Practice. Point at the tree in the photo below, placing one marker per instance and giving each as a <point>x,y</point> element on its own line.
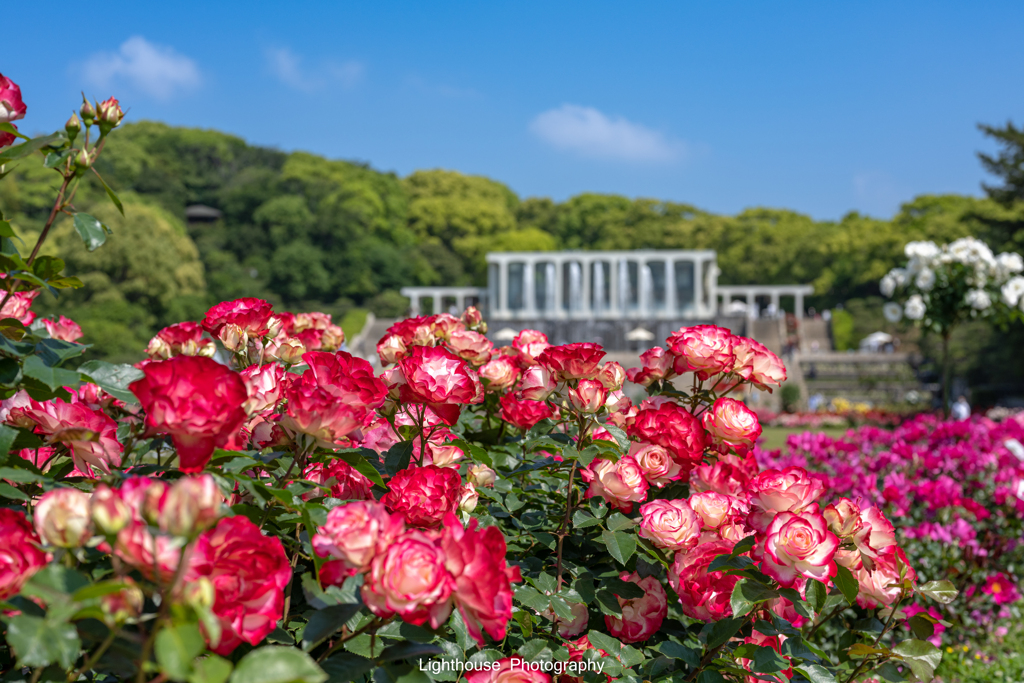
<point>1007,165</point>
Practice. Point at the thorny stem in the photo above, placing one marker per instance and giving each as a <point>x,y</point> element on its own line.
<point>563,527</point>
<point>94,657</point>
<point>888,625</point>
<point>818,625</point>
<point>373,625</point>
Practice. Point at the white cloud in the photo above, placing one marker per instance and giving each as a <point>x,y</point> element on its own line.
<point>589,132</point>
<point>155,69</point>
<point>287,66</point>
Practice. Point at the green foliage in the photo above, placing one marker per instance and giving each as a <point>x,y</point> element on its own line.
<point>842,330</point>
<point>1007,165</point>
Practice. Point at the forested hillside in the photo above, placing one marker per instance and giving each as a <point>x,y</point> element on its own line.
<point>308,233</point>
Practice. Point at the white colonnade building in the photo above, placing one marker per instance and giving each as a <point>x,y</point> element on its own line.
<point>593,285</point>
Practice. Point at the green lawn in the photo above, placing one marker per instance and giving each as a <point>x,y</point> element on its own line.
<point>775,437</point>
<point>353,322</point>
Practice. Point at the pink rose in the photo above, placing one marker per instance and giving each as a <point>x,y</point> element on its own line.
<point>880,586</point>
<point>530,344</point>
<point>64,329</point>
<point>657,365</point>
<point>265,385</point>
<point>197,401</point>
<point>17,307</point>
<point>314,411</point>
<point>249,572</point>
<point>507,670</point>
<point>156,556</point>
<point>481,475</point>
<point>471,346</point>
<point>90,435</point>
<point>499,373</point>
<point>673,428</point>
<point>250,317</point>
<point>621,483</point>
<point>523,414</point>
<point>180,339</point>
<point>669,524</point>
<point>716,509</point>
<point>799,546</point>
<point>1001,589</point>
<point>409,578</point>
<point>570,628</point>
<point>346,377</point>
<point>537,383</point>
<point>471,317</point>
<point>12,107</point>
<point>730,475</point>
<point>108,511</point>
<point>190,505</point>
<point>356,532</point>
<point>20,554</point>
<point>391,349</point>
<point>702,594</point>
<point>588,396</point>
<point>656,462</point>
<point>572,361</point>
<point>641,617</point>
<point>62,519</point>
<point>423,495</point>
<point>611,375</point>
<point>732,425</point>
<point>757,364</point>
<point>343,480</point>
<point>440,379</point>
<point>481,578</point>
<point>703,349</point>
<point>774,491</point>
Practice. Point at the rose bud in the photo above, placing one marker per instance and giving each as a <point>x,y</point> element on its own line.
<point>72,127</point>
<point>200,594</point>
<point>87,111</point>
<point>641,617</point>
<point>588,396</point>
<point>391,349</point>
<point>109,115</point>
<point>537,383</point>
<point>611,376</point>
<point>83,160</point>
<point>191,505</point>
<point>12,107</point>
<point>481,475</point>
<point>471,317</point>
<point>669,524</point>
<point>109,512</point>
<point>882,586</point>
<point>62,518</point>
<point>732,425</point>
<point>124,604</point>
<point>468,498</point>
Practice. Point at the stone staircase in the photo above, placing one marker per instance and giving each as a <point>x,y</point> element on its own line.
<point>875,378</point>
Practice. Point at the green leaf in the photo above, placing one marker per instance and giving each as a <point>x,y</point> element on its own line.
<point>847,583</point>
<point>921,656</point>
<point>38,642</point>
<point>922,627</point>
<point>940,591</point>
<point>709,676</point>
<point>532,598</point>
<point>55,159</point>
<point>767,661</point>
<point>9,492</point>
<point>409,650</point>
<point>53,352</point>
<point>53,378</point>
<point>110,193</point>
<point>7,437</point>
<point>815,673</point>
<point>581,519</point>
<point>729,562</point>
<point>24,149</point>
<point>9,128</point>
<point>176,647</point>
<point>21,476</point>
<point>620,436</point>
<point>744,544</point>
<point>674,650</point>
<point>398,456</point>
<point>608,603</point>
<point>90,230</point>
<point>817,593</point>
<point>604,642</point>
<point>212,669</point>
<point>722,631</point>
<point>620,545</point>
<point>618,521</point>
<point>346,666</point>
<point>325,622</point>
<point>363,465</point>
<point>113,379</point>
<point>277,664</point>
<point>626,590</point>
<point>747,593</point>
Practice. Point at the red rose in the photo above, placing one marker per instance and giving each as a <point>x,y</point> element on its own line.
<point>572,361</point>
<point>20,554</point>
<point>90,435</point>
<point>530,344</point>
<point>732,425</point>
<point>523,414</point>
<point>471,346</point>
<point>346,377</point>
<point>641,617</point>
<point>249,316</point>
<point>704,349</point>
<point>12,107</point>
<point>18,305</point>
<point>499,373</point>
<point>674,428</point>
<point>64,329</point>
<point>657,365</point>
<point>357,532</point>
<point>180,339</point>
<point>424,495</point>
<point>475,559</point>
<point>314,411</point>
<point>249,572</point>
<point>7,139</point>
<point>440,379</point>
<point>757,364</point>
<point>730,474</point>
<point>154,555</point>
<point>197,401</point>
<point>588,396</point>
<point>265,385</point>
<point>345,482</point>
<point>702,594</point>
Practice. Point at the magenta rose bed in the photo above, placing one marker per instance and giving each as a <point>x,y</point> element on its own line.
<point>251,503</point>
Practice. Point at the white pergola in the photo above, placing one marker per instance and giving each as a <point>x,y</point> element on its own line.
<point>459,296</point>
<point>774,293</point>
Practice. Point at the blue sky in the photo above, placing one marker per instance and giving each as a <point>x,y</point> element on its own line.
<point>822,107</point>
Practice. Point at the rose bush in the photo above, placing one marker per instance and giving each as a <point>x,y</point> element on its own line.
<point>250,502</point>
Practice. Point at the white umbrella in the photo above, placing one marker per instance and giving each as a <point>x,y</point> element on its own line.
<point>639,334</point>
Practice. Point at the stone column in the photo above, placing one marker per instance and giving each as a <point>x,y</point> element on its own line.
<point>529,285</point>
<point>775,301</point>
<point>414,304</point>
<point>670,289</point>
<point>613,287</point>
<point>751,304</point>
<point>559,278</point>
<point>699,307</point>
<point>798,307</point>
<point>643,305</point>
<point>503,288</point>
<point>585,309</point>
<point>460,302</point>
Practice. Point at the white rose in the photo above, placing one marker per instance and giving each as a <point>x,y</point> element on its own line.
<point>1013,290</point>
<point>978,299</point>
<point>925,280</point>
<point>915,308</point>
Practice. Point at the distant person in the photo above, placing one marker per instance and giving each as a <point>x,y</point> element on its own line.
<point>961,409</point>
